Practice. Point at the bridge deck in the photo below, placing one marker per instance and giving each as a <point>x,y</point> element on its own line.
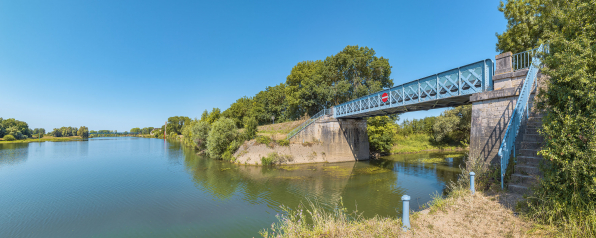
<point>446,89</point>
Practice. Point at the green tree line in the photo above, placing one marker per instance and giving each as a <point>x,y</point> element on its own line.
<point>65,131</point>
<point>314,85</point>
<point>12,129</point>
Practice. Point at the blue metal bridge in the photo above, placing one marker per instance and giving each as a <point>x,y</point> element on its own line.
<point>446,89</point>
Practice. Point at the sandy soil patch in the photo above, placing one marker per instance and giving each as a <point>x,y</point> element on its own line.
<point>469,216</point>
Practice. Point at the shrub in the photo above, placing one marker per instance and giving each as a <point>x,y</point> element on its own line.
<point>232,148</point>
<point>454,124</point>
<point>275,158</point>
<point>9,138</point>
<point>284,142</point>
<point>263,140</point>
<point>381,132</point>
<point>267,160</point>
<point>250,127</point>
<point>222,133</point>
<point>196,133</point>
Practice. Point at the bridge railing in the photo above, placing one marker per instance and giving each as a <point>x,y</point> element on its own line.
<point>308,122</point>
<point>464,80</point>
<point>520,113</point>
<point>523,60</point>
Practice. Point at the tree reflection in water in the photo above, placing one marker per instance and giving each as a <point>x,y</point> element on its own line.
<point>373,187</point>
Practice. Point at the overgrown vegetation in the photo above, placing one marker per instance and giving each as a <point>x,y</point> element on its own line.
<point>223,132</point>
<point>275,158</point>
<point>566,195</point>
<point>381,132</point>
<point>449,131</point>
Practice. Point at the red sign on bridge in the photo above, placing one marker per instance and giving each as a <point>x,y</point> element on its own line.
<point>384,97</point>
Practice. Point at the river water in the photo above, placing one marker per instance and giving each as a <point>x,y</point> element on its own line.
<point>139,187</point>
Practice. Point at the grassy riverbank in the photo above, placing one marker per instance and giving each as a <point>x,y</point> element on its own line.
<point>461,214</point>
<point>44,139</point>
<point>419,143</point>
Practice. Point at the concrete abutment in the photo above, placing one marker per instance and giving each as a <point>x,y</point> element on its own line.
<point>342,139</point>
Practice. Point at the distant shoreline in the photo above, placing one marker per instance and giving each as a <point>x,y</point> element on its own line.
<point>44,139</point>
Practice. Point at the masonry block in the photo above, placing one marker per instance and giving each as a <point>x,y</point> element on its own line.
<point>343,139</point>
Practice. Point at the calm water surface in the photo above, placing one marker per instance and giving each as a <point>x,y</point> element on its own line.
<point>137,187</point>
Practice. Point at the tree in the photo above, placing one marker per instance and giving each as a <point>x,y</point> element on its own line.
<point>2,130</point>
<point>454,124</point>
<point>525,26</point>
<point>204,115</point>
<point>222,133</point>
<point>57,132</point>
<point>381,132</point>
<point>200,134</point>
<point>268,103</point>
<point>15,132</point>
<point>14,126</point>
<point>213,116</point>
<point>351,73</point>
<point>567,192</point>
<point>9,138</point>
<point>176,123</point>
<point>307,91</point>
<point>145,130</point>
<point>355,72</point>
<point>83,132</point>
<point>38,131</point>
<point>237,111</point>
<point>135,130</point>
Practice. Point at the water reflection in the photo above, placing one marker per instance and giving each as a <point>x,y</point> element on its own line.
<point>13,153</point>
<point>137,187</point>
<point>374,187</point>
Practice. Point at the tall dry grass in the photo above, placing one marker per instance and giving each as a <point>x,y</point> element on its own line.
<point>314,221</point>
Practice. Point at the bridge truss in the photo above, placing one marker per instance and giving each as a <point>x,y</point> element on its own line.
<point>446,89</point>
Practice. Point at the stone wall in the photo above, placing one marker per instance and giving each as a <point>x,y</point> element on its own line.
<point>326,140</point>
<point>343,139</point>
<point>491,111</point>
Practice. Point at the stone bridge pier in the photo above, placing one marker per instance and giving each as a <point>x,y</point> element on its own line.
<point>492,110</point>
<point>342,139</point>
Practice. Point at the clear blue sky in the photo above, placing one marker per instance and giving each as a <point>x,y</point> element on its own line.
<point>122,64</point>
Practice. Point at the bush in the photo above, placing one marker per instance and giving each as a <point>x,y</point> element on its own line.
<point>275,158</point>
<point>9,138</point>
<point>454,124</point>
<point>250,127</point>
<point>381,132</point>
<point>263,140</point>
<point>232,148</point>
<point>566,195</point>
<point>222,133</point>
<point>284,142</point>
<point>196,133</point>
<point>267,160</point>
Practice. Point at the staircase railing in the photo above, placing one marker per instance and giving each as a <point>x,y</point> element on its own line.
<point>524,59</point>
<point>308,122</point>
<point>521,110</point>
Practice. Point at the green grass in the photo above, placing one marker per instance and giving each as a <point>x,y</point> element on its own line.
<point>418,143</point>
<point>52,139</point>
